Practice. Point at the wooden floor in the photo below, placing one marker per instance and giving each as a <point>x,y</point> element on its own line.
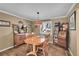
<point>23,50</point>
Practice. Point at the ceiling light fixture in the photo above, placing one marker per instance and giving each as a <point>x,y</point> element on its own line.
<point>38,21</point>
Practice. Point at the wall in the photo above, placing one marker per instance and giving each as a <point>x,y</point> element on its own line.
<point>77,30</point>
<point>6,33</point>
<point>73,33</point>
<point>34,28</point>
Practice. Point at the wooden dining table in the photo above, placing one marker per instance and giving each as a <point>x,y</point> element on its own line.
<point>34,40</point>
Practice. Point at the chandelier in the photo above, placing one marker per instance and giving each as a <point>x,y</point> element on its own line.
<point>37,22</point>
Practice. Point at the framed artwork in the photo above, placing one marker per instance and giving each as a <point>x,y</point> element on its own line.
<point>72,21</point>
<point>4,23</point>
<point>45,27</point>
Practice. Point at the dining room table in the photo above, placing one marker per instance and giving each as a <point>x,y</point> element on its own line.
<point>35,40</point>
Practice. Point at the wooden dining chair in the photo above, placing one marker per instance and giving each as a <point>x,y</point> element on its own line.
<point>43,47</point>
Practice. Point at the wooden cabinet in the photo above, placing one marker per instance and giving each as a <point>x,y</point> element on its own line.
<point>61,35</point>
<point>19,39</point>
<point>55,32</point>
<point>19,34</point>
<point>62,39</point>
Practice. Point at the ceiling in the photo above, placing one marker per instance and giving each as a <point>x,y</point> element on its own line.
<point>29,10</point>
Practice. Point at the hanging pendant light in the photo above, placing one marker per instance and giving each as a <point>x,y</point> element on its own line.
<point>37,21</point>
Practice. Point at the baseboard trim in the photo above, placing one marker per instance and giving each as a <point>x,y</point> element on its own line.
<point>70,52</point>
<point>50,42</point>
<point>6,48</point>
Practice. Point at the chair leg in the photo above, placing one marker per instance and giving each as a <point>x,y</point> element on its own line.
<point>43,52</point>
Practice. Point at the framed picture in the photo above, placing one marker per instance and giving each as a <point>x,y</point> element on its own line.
<point>45,27</point>
<point>72,21</point>
<point>4,23</point>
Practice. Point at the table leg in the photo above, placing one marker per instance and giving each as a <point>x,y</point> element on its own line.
<point>33,52</point>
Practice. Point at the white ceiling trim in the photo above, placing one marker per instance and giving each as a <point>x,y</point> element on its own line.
<point>13,15</point>
<point>59,17</point>
<point>71,8</point>
<point>54,18</point>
